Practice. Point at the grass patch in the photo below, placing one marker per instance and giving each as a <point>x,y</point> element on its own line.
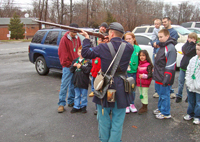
<point>19,40</point>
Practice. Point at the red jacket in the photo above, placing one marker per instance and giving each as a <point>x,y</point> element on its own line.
<point>66,50</point>
<point>95,66</point>
<point>142,69</point>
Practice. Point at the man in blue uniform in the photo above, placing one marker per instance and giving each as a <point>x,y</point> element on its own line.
<point>110,130</point>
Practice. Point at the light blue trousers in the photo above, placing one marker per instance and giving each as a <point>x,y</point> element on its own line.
<point>110,130</point>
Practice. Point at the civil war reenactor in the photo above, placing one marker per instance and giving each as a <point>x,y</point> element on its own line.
<point>111,130</point>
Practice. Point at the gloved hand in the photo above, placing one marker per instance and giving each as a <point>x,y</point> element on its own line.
<point>166,80</point>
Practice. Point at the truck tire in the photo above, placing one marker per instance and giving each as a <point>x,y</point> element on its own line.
<point>41,66</point>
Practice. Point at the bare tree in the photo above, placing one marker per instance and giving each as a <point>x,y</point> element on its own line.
<point>8,9</point>
<point>91,13</point>
<point>46,12</point>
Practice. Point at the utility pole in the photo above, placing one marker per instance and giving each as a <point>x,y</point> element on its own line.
<point>26,16</point>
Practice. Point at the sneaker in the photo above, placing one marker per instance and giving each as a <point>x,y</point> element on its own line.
<point>61,109</point>
<point>187,117</point>
<point>178,99</point>
<point>127,110</point>
<point>196,121</point>
<point>91,94</point>
<point>157,111</point>
<point>71,105</point>
<point>161,116</point>
<point>74,110</point>
<point>156,95</point>
<point>133,108</point>
<point>172,95</point>
<point>83,109</point>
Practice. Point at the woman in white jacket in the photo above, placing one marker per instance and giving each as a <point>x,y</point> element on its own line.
<point>193,87</point>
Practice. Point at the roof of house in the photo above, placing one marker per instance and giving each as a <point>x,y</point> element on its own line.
<point>6,21</point>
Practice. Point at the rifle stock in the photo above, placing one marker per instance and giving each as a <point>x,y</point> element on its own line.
<point>70,28</point>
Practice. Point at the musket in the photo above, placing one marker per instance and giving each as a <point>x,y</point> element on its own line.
<point>100,35</point>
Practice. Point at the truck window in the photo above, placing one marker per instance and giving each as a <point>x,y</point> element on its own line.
<point>37,38</point>
<point>186,25</point>
<point>140,30</point>
<point>150,30</point>
<point>197,25</point>
<point>63,33</point>
<point>142,40</point>
<point>52,38</point>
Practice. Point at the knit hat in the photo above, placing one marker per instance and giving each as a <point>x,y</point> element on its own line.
<point>74,25</point>
<point>104,24</point>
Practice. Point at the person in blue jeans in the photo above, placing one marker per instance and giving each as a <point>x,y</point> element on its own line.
<point>81,69</point>
<point>173,33</point>
<point>67,52</point>
<point>193,87</point>
<point>164,72</point>
<point>189,51</point>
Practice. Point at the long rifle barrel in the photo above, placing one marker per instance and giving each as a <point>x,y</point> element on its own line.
<point>70,28</point>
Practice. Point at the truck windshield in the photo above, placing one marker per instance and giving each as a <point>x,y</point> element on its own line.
<point>182,30</point>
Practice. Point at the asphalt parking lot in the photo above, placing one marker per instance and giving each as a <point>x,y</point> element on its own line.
<point>28,109</point>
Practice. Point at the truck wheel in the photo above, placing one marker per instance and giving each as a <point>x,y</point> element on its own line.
<point>41,66</point>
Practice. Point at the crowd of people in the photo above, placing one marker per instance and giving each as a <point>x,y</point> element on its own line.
<point>79,61</point>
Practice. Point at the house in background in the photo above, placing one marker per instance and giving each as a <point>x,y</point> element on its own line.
<point>31,27</point>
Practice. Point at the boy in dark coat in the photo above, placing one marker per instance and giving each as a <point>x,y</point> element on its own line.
<point>81,68</point>
<point>164,72</point>
<point>189,51</point>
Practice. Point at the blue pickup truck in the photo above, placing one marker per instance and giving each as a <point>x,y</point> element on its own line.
<point>43,50</point>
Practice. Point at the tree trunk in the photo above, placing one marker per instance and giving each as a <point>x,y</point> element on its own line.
<point>62,7</point>
<point>71,12</point>
<point>41,11</point>
<point>58,11</point>
<point>45,16</point>
<point>87,13</point>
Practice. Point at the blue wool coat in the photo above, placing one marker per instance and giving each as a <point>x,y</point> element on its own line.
<point>102,51</point>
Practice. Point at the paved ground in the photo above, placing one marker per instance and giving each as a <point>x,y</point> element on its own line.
<point>28,109</point>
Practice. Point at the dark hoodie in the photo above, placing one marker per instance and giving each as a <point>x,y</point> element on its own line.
<point>165,63</point>
<point>189,51</point>
<point>81,76</point>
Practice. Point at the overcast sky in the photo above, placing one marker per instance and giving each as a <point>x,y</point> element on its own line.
<point>24,4</point>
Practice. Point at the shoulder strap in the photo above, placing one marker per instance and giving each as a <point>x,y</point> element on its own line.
<point>111,48</point>
<point>118,58</point>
